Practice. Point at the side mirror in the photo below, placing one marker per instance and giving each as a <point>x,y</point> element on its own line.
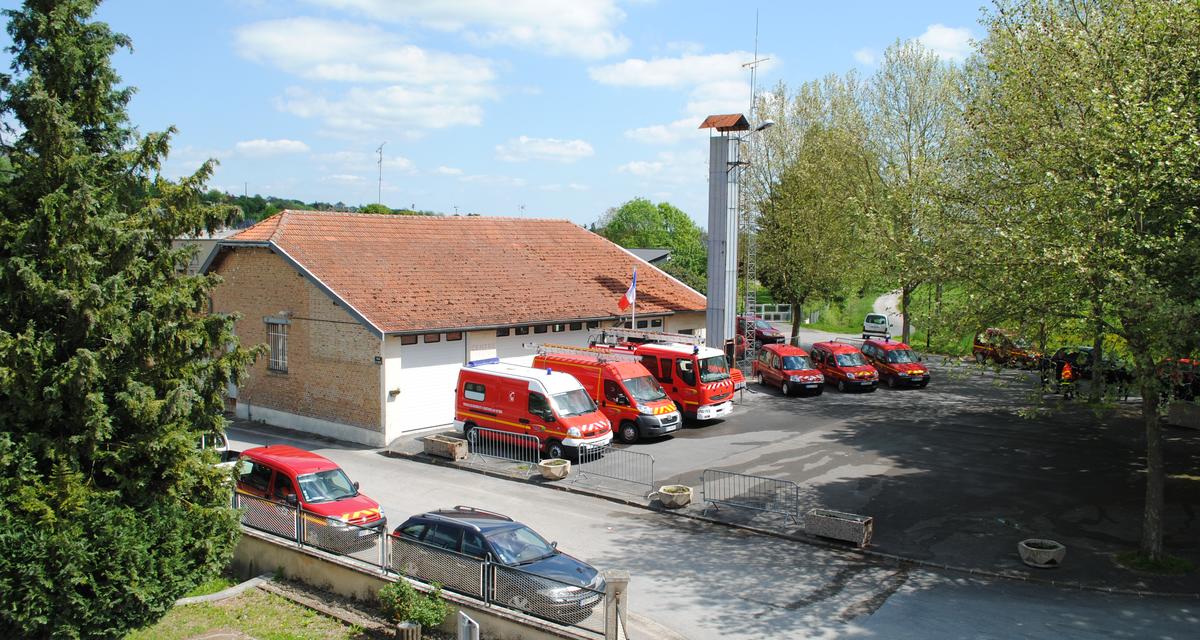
<point>920,358</point>
<point>554,545</point>
<point>291,499</point>
<point>622,400</point>
<point>355,485</point>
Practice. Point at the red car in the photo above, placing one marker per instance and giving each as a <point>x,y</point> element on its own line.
<point>789,368</point>
<point>844,365</point>
<point>896,363</point>
<point>334,514</point>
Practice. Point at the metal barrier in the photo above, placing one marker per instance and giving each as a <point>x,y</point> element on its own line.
<point>278,518</point>
<point>751,492</point>
<point>616,464</point>
<point>773,312</point>
<point>454,571</point>
<point>492,444</point>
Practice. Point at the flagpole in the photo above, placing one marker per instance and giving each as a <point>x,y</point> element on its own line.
<point>633,307</point>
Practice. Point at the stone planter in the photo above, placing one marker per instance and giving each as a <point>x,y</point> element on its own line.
<point>408,631</point>
<point>837,525</point>
<point>445,447</point>
<point>1040,553</point>
<point>554,468</point>
<point>675,496</point>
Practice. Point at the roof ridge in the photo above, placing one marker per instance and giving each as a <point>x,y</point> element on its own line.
<point>440,217</point>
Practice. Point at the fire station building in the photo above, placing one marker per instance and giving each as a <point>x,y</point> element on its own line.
<point>368,318</point>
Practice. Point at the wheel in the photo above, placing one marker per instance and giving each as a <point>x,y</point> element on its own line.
<point>555,449</point>
<point>759,379</point>
<point>842,386</point>
<point>924,384</point>
<point>819,391</point>
<point>467,429</point>
<point>787,391</point>
<point>629,432</point>
<point>891,382</point>
<point>980,357</point>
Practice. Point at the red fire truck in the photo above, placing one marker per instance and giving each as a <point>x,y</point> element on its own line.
<point>696,377</point>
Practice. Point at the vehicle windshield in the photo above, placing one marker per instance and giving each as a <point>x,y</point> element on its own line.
<point>794,363</point>
<point>763,324</point>
<point>901,356</point>
<point>519,545</point>
<point>713,369</point>
<point>326,486</point>
<point>876,319</point>
<point>573,403</point>
<point>850,359</point>
<point>644,389</point>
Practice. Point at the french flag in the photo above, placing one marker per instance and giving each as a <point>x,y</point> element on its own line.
<point>630,295</point>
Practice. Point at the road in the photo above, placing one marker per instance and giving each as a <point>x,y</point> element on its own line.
<point>705,580</point>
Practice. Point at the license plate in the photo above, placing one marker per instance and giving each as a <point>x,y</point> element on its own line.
<point>810,386</point>
<point>362,533</point>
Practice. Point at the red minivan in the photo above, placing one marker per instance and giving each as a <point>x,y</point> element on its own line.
<point>844,365</point>
<point>896,362</point>
<point>789,368</point>
<point>334,515</point>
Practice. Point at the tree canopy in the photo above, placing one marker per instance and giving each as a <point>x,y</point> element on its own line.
<point>111,367</point>
<point>640,223</point>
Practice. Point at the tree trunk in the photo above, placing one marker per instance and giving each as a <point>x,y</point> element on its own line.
<point>1097,391</point>
<point>796,314</point>
<point>1152,515</point>
<point>905,300</point>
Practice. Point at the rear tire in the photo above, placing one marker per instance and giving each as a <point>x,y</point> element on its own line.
<point>629,432</point>
<point>467,429</point>
<point>555,449</point>
<point>759,379</point>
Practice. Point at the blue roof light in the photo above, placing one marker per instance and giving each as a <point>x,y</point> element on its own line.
<point>476,363</point>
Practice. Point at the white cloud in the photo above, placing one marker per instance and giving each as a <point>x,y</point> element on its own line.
<point>344,178</point>
<point>643,168</point>
<point>666,133</point>
<point>583,28</point>
<point>552,149</point>
<point>262,147</point>
<point>493,181</point>
<point>669,167</point>
<point>865,56</point>
<point>727,96</point>
<point>363,162</point>
<point>683,71</point>
<point>416,89</point>
<point>950,43</point>
<point>448,171</point>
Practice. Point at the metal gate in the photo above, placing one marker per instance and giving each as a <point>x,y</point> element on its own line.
<point>751,492</point>
<point>616,464</point>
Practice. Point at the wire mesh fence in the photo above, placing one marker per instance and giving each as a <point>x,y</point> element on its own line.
<point>597,464</point>
<point>267,515</point>
<point>547,598</point>
<point>513,453</point>
<point>454,571</point>
<point>751,492</point>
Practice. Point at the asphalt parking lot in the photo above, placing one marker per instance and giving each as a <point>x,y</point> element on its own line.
<point>957,473</point>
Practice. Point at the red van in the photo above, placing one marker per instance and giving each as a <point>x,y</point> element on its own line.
<point>336,516</point>
<point>549,404</point>
<point>789,368</point>
<point>627,394</point>
<point>896,363</point>
<point>844,365</point>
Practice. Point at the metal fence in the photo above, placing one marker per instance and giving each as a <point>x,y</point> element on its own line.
<point>751,492</point>
<point>491,446</point>
<point>773,312</point>
<point>511,587</point>
<point>615,464</point>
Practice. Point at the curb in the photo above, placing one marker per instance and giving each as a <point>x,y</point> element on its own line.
<point>816,542</point>
<point>236,589</point>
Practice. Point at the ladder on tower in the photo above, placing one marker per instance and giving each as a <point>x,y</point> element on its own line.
<point>601,355</point>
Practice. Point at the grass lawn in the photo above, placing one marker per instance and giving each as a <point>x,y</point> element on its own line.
<point>257,613</point>
<point>848,318</point>
<point>219,583</point>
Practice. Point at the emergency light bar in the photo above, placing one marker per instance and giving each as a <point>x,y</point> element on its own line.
<point>476,363</point>
<point>602,355</point>
<point>647,336</point>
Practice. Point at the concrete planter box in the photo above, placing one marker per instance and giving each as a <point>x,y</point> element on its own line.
<point>445,447</point>
<point>1040,553</point>
<point>407,631</point>
<point>675,496</point>
<point>837,525</point>
<point>554,468</point>
<point>1184,414</point>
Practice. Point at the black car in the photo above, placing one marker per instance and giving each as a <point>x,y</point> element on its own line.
<point>1080,358</point>
<point>530,574</point>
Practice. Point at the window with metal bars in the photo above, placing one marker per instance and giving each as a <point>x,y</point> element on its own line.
<point>277,333</point>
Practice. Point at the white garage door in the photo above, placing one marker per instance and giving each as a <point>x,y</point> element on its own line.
<point>428,373</point>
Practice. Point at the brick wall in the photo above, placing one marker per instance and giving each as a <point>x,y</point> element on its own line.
<point>331,373</point>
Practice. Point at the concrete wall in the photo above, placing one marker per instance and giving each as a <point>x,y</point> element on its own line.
<point>257,553</point>
<point>333,385</point>
<point>693,320</point>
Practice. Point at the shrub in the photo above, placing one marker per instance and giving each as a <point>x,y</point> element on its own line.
<point>401,602</point>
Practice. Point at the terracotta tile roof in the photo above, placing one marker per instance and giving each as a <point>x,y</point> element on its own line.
<point>726,122</point>
<point>409,273</point>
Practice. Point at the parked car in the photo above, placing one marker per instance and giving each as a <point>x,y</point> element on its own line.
<point>548,404</point>
<point>628,395</point>
<point>1180,377</point>
<point>875,324</point>
<point>896,362</point>
<point>1001,347</point>
<point>534,575</point>
<point>789,368</point>
<point>335,515</point>
<point>226,457</point>
<point>844,365</point>
<point>1115,371</point>
<point>759,331</point>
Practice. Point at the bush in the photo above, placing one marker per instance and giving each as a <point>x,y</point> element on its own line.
<point>401,602</point>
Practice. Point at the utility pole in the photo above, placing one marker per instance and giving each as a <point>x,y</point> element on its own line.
<point>379,193</point>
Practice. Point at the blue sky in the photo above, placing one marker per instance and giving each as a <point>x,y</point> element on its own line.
<point>547,108</point>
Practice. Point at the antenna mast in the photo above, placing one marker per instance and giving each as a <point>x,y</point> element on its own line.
<point>750,214</point>
<point>379,192</point>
